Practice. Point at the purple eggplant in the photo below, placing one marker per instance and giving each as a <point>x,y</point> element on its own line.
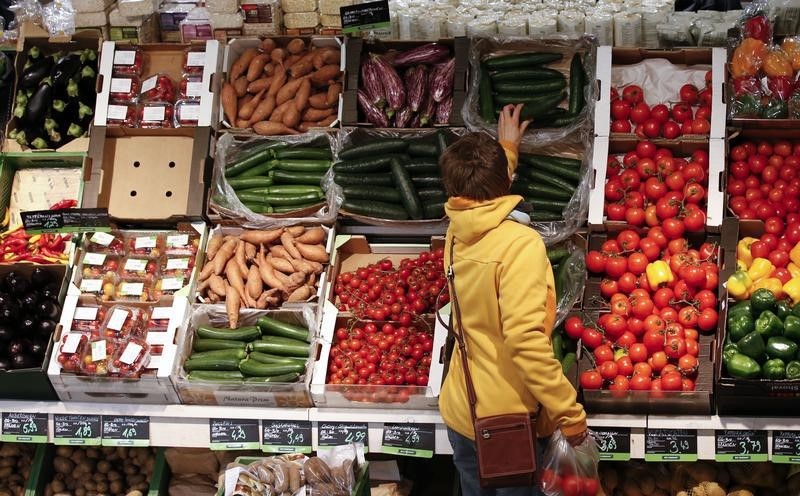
<point>443,110</point>
<point>416,81</point>
<point>427,111</point>
<point>374,115</point>
<point>392,84</point>
<point>441,80</point>
<point>414,121</point>
<point>403,117</point>
<point>371,83</point>
<point>429,53</point>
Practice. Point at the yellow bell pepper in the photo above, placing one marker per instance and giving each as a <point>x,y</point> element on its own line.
<point>772,283</point>
<point>794,254</point>
<point>743,251</point>
<point>738,285</point>
<point>792,289</point>
<point>760,269</point>
<point>658,273</point>
<point>793,269</point>
<point>741,266</point>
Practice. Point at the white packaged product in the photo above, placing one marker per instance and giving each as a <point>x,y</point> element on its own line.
<point>38,189</point>
<point>300,20</point>
<point>295,6</point>
<point>330,20</point>
<point>431,27</point>
<point>571,22</point>
<point>601,25</point>
<point>131,8</point>
<point>513,25</point>
<point>91,19</point>
<point>115,18</point>
<point>222,6</point>
<point>261,29</point>
<point>91,5</point>
<point>456,27</point>
<point>331,7</point>
<point>539,25</point>
<point>482,27</point>
<point>226,21</point>
<point>627,29</point>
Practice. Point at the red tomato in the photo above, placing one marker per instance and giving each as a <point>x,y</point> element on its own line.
<point>625,364</point>
<point>633,93</point>
<point>658,361</point>
<point>707,320</point>
<point>573,326</point>
<point>591,379</point>
<point>688,94</point>
<point>589,486</point>
<point>571,485</point>
<point>688,364</point>
<point>738,153</point>
<point>620,386</point>
<point>637,262</point>
<point>628,240</point>
<point>640,382</point>
<point>638,352</point>
<point>591,337</point>
<point>673,228</point>
<point>662,297</point>
<point>621,109</point>
<point>616,266</point>
<point>681,112</point>
<point>694,193</point>
<point>779,258</point>
<point>651,128</point>
<point>595,262</point>
<point>603,354</point>
<point>705,299</point>
<point>653,340</point>
<point>643,368</point>
<point>608,287</point>
<point>782,274</point>
<point>640,113</point>
<point>701,125</point>
<point>675,347</point>
<point>764,148</point>
<point>625,340</point>
<point>671,130</point>
<point>627,282</point>
<point>608,370</point>
<point>671,382</point>
<point>694,221</point>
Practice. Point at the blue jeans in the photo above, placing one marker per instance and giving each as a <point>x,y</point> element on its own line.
<point>466,461</point>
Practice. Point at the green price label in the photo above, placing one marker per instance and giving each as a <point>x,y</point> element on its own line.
<point>80,430</point>
<point>126,431</point>
<point>24,427</point>
<point>417,440</point>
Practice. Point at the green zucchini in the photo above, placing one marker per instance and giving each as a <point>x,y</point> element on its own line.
<point>433,210</point>
<point>259,170</point>
<point>294,189</point>
<point>558,347</point>
<point>203,344</point>
<point>503,99</point>
<point>377,209</point>
<point>294,177</point>
<point>293,208</point>
<point>302,152</point>
<point>369,164</point>
<point>221,354</point>
<point>427,181</point>
<point>267,358</point>
<point>485,96</point>
<point>251,197</point>
<point>253,368</point>
<point>556,255</point>
<point>577,81</point>
<point>560,277</point>
<point>374,148</point>
<point>278,345</point>
<point>371,192</point>
<point>534,110</point>
<point>251,158</point>
<point>532,73</point>
<point>215,375</point>
<point>533,158</point>
<point>302,165</point>
<point>275,378</point>
<point>432,195</point>
<point>545,216</point>
<point>274,327</point>
<point>211,364</point>
<point>546,191</point>
<point>422,166</point>
<point>376,179</point>
<point>249,182</point>
<point>529,88</point>
<point>522,60</point>
<point>442,141</point>
<point>247,333</point>
<point>521,187</point>
<point>552,180</point>
<point>547,167</point>
<point>259,208</point>
<point>567,119</point>
<point>292,199</point>
<point>422,148</point>
<point>568,362</point>
<point>408,194</point>
<point>555,206</point>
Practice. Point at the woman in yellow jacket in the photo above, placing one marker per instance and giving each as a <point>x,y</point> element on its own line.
<point>506,291</point>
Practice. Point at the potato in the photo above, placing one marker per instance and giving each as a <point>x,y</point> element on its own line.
<point>57,486</point>
<point>63,465</point>
<point>103,467</point>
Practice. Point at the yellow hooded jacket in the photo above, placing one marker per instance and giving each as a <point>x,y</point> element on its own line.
<point>506,292</point>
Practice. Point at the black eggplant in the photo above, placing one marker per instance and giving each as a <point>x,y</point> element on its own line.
<point>66,67</point>
<point>38,347</point>
<point>28,326</point>
<point>39,104</point>
<point>5,364</point>
<point>89,58</point>
<point>48,310</point>
<point>46,327</point>
<point>41,277</point>
<point>11,281</point>
<point>6,333</point>
<point>30,302</point>
<point>21,361</point>
<point>33,55</point>
<point>18,346</point>
<point>51,291</point>
<point>73,90</point>
<point>87,86</point>
<point>34,74</point>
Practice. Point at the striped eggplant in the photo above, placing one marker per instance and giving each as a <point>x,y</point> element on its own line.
<point>443,110</point>
<point>392,84</point>
<point>371,83</point>
<point>441,79</point>
<point>415,121</point>
<point>427,111</point>
<point>416,81</point>
<point>374,115</point>
<point>403,117</point>
<point>430,53</point>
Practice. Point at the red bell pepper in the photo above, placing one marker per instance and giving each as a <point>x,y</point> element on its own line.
<point>63,204</point>
<point>758,27</point>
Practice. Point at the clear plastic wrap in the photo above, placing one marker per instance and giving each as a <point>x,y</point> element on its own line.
<point>156,115</point>
<point>481,48</point>
<point>575,270</point>
<point>566,465</point>
<point>124,89</point>
<point>332,472</point>
<point>187,113</point>
<point>58,17</point>
<point>224,200</point>
<point>158,88</point>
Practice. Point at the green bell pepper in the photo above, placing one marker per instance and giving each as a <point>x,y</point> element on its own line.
<point>791,328</point>
<point>768,324</point>
<point>781,347</point>
<point>747,106</point>
<point>752,346</point>
<point>728,351</point>
<point>762,299</point>
<point>742,367</point>
<point>740,325</point>
<point>796,310</point>
<point>775,109</point>
<point>774,369</point>
<point>793,370</point>
<point>783,309</point>
<point>742,307</point>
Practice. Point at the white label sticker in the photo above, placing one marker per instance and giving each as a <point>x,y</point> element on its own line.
<point>131,353</point>
<point>177,240</point>
<point>135,264</point>
<point>154,362</point>
<point>177,264</point>
<point>124,57</point>
<point>98,350</point>
<point>94,259</point>
<point>121,85</point>
<point>149,84</point>
<point>117,319</point>
<point>131,288</point>
<point>156,338</point>
<point>189,112</point>
<point>194,89</point>
<point>91,285</point>
<point>153,114</point>
<point>145,242</point>
<point>102,238</point>
<point>85,313</point>
<point>161,313</point>
<point>171,283</point>
<point>196,59</point>
<point>71,343</point>
<point>117,112</point>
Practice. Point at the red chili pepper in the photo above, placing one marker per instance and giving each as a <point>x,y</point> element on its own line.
<point>39,259</point>
<point>15,244</point>
<point>49,253</point>
<point>63,204</point>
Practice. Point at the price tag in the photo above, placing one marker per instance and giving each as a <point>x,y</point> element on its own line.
<point>73,430</point>
<point>189,112</point>
<point>194,89</point>
<point>670,445</point>
<point>613,444</point>
<point>102,238</point>
<point>124,57</point>
<point>117,113</point>
<point>94,259</point>
<point>339,433</point>
<point>740,446</point>
<point>126,431</point>
<point>135,264</point>
<point>91,285</point>
<point>149,84</point>
<point>234,434</point>
<point>131,353</point>
<point>161,313</point>
<point>131,288</point>
<point>194,59</point>
<point>121,85</point>
<point>152,114</point>
<point>118,318</point>
<point>24,427</point>
<point>98,350</point>
<point>85,313</point>
<point>171,283</point>
<point>177,240</point>
<point>145,241</point>
<point>286,436</point>
<point>365,16</point>
<point>785,447</point>
<point>409,439</point>
<point>177,264</point>
<point>70,344</point>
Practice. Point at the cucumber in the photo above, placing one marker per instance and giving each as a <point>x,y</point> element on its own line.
<point>217,344</point>
<point>422,166</point>
<point>522,60</point>
<point>259,170</point>
<point>568,362</point>
<point>274,327</point>
<point>421,148</point>
<point>293,208</point>
<point>567,119</point>
<point>533,158</point>
<point>547,167</point>
<point>577,81</point>
<point>432,195</point>
<point>249,182</point>
<point>251,158</point>
<point>259,208</point>
<point>221,354</point>
<point>428,181</point>
<point>251,197</point>
<point>377,209</point>
<point>258,369</point>
<point>532,73</point>
<point>374,148</point>
<point>560,278</point>
<point>536,176</point>
<point>219,375</point>
<point>521,187</point>
<point>278,345</point>
<point>371,192</point>
<point>538,190</point>
<point>441,140</point>
<point>302,165</point>
<point>370,164</point>
<point>275,378</point>
<point>294,189</point>
<point>292,199</point>
<point>408,194</point>
<point>247,333</point>
<point>267,358</point>
<point>433,210</point>
<point>534,110</point>
<point>293,177</point>
<point>545,216</point>
<point>556,255</point>
<point>558,347</point>
<point>211,364</point>
<point>485,96</point>
<point>528,88</point>
<point>555,206</point>
<point>302,152</point>
<point>503,99</point>
<point>377,179</point>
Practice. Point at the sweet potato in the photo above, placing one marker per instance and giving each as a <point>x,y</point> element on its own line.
<point>288,91</point>
<point>247,110</point>
<point>267,45</point>
<point>294,281</point>
<point>213,247</point>
<point>267,273</point>
<point>250,250</point>
<point>301,68</point>
<point>259,84</point>
<point>263,111</point>
<point>287,240</point>
<point>241,258</point>
<point>300,294</point>
<point>242,123</point>
<point>291,116</point>
<point>257,66</point>
<point>319,101</point>
<point>315,115</point>
<point>224,254</point>
<point>216,285</point>
<point>281,264</point>
<point>229,102</point>
<point>208,271</point>
<point>232,305</point>
<point>312,252</point>
<point>325,74</point>
<point>213,298</point>
<point>305,126</point>
<point>326,56</point>
<point>269,69</point>
<point>254,284</point>
<point>279,251</point>
<point>261,237</point>
<point>295,230</point>
<point>240,85</point>
<point>332,97</point>
<point>301,97</point>
<point>278,80</point>
<point>296,46</point>
<point>278,55</point>
<point>299,265</point>
<point>290,61</point>
<point>312,236</point>
<point>267,128</point>
<point>241,64</point>
<point>280,110</point>
<point>327,121</point>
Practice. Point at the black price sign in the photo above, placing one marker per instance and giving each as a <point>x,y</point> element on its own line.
<point>234,434</point>
<point>339,433</point>
<point>785,447</point>
<point>613,444</point>
<point>76,430</point>
<point>365,17</point>
<point>670,445</point>
<point>286,436</point>
<point>740,446</point>
<point>409,439</point>
<point>126,431</point>
<point>24,427</point>
<point>65,221</point>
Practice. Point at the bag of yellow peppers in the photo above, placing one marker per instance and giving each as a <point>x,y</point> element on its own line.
<point>754,273</point>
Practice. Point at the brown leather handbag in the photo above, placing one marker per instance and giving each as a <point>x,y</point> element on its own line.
<point>505,444</point>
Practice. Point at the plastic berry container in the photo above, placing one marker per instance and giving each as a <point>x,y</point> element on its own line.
<point>187,113</point>
<point>157,324</point>
<point>122,321</point>
<point>177,266</point>
<point>194,61</point>
<point>191,87</point>
<point>103,288</point>
<point>149,244</point>
<point>96,356</point>
<point>123,115</point>
<point>70,351</point>
<point>99,265</point>
<point>128,61</point>
<point>88,318</point>
<point>168,285</point>
<point>182,243</point>
<point>139,267</point>
<point>134,290</point>
<point>158,88</point>
<point>103,242</point>
<point>156,116</point>
<point>124,89</point>
<point>130,357</point>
